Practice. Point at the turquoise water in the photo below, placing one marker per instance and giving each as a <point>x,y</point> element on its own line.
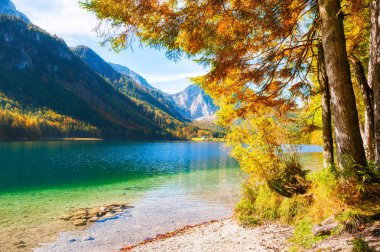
<point>43,180</point>
<point>39,165</point>
<point>40,181</point>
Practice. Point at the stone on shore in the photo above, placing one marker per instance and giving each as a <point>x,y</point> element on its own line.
<point>326,227</point>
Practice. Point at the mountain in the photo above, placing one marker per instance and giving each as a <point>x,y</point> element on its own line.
<point>128,83</point>
<point>50,90</point>
<point>195,103</point>
<point>8,8</point>
<point>133,75</point>
<point>40,73</point>
<point>192,103</point>
<point>158,94</point>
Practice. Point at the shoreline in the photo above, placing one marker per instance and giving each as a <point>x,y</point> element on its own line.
<point>45,230</point>
<point>137,224</point>
<point>213,236</point>
<point>51,139</point>
<point>218,235</point>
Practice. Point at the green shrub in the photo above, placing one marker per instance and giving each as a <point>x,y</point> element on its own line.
<point>260,204</point>
<point>360,245</point>
<point>303,234</point>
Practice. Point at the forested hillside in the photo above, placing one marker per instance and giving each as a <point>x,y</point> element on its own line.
<point>32,122</point>
<point>39,72</point>
<point>126,85</point>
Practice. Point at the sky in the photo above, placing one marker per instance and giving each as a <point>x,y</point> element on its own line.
<point>75,25</point>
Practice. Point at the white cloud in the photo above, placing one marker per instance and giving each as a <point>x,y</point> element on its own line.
<point>64,18</point>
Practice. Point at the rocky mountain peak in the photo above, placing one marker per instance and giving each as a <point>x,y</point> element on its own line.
<point>195,103</point>
<point>7,7</point>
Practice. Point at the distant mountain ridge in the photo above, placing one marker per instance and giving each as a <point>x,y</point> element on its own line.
<point>8,8</point>
<point>196,104</point>
<point>192,103</point>
<point>127,82</point>
<point>133,75</point>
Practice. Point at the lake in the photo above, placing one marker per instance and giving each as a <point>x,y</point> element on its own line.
<point>170,184</point>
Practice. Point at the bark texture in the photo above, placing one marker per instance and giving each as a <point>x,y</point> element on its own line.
<point>368,134</point>
<point>347,131</point>
<point>328,144</point>
<point>374,72</point>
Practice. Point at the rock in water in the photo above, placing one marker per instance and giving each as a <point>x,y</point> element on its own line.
<point>81,212</point>
<point>94,211</point>
<point>109,215</point>
<point>93,219</point>
<point>80,222</point>
<point>20,244</point>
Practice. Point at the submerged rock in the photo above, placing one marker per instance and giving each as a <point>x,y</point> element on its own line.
<point>109,215</point>
<point>80,222</point>
<point>20,244</point>
<point>93,219</point>
<point>94,211</point>
<point>84,216</point>
<point>66,217</point>
<point>80,212</point>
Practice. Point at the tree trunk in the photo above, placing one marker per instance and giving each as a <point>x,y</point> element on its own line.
<point>328,144</point>
<point>374,73</point>
<point>346,123</point>
<point>368,130</point>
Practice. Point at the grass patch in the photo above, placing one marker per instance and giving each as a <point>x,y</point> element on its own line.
<point>360,245</point>
<point>261,204</point>
<point>303,235</point>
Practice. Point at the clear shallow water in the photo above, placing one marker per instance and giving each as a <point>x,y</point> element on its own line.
<point>38,165</point>
<point>182,182</point>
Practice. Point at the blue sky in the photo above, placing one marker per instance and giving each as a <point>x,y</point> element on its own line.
<point>66,19</point>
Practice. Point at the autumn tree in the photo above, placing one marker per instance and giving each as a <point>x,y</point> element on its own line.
<point>327,131</point>
<point>374,71</point>
<point>357,30</point>
<point>347,132</point>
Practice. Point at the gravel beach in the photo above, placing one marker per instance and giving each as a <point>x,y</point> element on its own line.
<point>224,236</point>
